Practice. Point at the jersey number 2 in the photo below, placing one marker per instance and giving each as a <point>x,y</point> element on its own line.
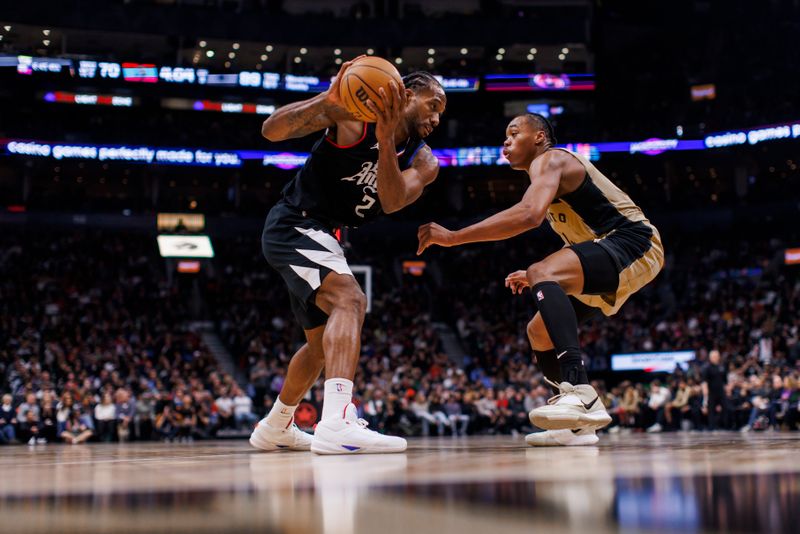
<point>368,201</point>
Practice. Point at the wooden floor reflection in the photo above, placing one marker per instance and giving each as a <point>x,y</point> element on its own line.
<point>655,483</point>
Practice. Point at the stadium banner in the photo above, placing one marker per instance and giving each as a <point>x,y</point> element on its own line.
<point>652,362</point>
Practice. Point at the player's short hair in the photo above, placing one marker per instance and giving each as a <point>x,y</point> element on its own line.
<point>543,124</point>
<point>421,80</point>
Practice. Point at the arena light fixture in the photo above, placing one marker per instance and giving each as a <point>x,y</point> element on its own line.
<point>209,53</point>
<point>264,57</point>
<point>464,51</point>
<point>46,42</point>
<point>431,51</point>
<point>202,44</point>
<point>370,51</point>
<point>304,50</point>
<point>269,48</point>
<point>337,52</point>
<point>338,61</point>
<point>530,57</point>
<point>45,32</point>
<point>7,28</point>
<point>562,57</point>
<point>533,50</point>
<point>565,50</point>
<point>298,59</point>
<point>227,64</point>
<point>398,60</point>
<point>236,46</point>
<point>232,55</point>
<point>501,51</point>
<point>430,61</point>
<point>499,57</point>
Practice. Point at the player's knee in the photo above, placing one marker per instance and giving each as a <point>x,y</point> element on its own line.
<point>537,273</point>
<point>353,300</point>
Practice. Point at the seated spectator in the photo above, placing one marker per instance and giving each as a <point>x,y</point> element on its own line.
<point>421,409</point>
<point>459,421</point>
<point>166,424</point>
<point>126,411</point>
<point>185,418</point>
<point>105,414</point>
<point>144,417</point>
<point>75,429</point>
<point>224,407</point>
<point>8,421</point>
<point>657,403</point>
<point>675,410</point>
<point>243,409</point>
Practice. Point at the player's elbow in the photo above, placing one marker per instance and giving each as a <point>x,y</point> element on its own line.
<point>391,207</point>
<point>270,132</point>
<point>531,219</point>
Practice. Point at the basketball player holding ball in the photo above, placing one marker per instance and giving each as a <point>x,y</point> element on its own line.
<point>611,251</point>
<point>356,171</point>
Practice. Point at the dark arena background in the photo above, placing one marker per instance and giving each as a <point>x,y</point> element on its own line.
<point>143,335</point>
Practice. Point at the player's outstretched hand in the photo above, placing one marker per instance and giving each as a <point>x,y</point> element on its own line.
<point>393,102</point>
<point>434,234</point>
<point>517,281</point>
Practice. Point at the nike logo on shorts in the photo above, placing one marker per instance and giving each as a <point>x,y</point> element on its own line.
<point>558,356</point>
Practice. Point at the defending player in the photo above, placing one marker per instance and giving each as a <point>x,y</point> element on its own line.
<point>611,252</point>
<point>355,172</point>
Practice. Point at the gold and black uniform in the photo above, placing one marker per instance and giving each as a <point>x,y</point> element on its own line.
<point>599,213</point>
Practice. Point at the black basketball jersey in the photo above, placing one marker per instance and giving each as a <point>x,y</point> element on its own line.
<point>338,184</point>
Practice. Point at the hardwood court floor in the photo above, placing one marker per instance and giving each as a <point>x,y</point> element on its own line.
<point>656,483</point>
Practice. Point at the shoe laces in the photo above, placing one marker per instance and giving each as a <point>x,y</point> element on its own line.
<point>565,388</point>
<point>363,424</point>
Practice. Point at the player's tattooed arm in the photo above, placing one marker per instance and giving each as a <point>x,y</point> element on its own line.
<point>527,214</point>
<point>299,119</point>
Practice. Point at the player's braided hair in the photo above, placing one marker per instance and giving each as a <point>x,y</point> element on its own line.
<point>543,124</point>
<point>421,80</point>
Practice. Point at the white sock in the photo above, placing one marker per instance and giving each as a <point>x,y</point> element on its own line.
<point>280,416</point>
<point>338,394</point>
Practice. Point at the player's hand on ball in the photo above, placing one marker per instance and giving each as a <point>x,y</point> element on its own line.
<point>517,281</point>
<point>332,96</point>
<point>434,234</point>
<point>389,114</point>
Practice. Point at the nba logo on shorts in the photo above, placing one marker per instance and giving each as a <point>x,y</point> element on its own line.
<point>539,295</point>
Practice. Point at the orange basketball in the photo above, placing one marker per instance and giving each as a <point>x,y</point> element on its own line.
<point>362,80</point>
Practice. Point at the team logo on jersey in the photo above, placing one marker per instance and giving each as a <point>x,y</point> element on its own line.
<point>367,176</point>
<point>375,147</point>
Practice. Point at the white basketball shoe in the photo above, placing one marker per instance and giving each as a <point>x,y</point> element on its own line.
<point>268,438</point>
<point>560,438</point>
<point>574,407</point>
<point>350,435</point>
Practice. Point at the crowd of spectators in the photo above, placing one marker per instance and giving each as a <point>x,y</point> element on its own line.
<point>95,345</point>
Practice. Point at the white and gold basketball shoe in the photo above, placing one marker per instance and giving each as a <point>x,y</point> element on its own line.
<point>574,407</point>
<point>562,438</point>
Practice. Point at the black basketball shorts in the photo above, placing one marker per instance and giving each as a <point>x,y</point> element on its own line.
<point>303,250</point>
<point>618,265</point>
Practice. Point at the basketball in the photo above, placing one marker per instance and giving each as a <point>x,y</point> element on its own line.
<point>361,82</point>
